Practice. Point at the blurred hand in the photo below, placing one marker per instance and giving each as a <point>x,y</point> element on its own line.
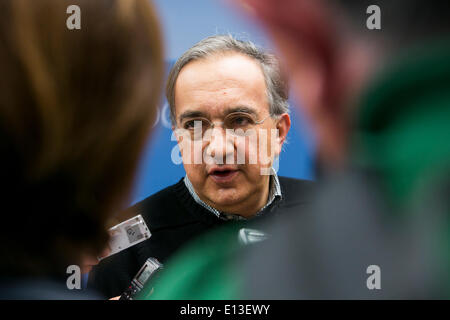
<point>88,261</point>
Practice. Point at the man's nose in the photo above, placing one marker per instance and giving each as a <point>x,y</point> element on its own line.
<point>221,146</point>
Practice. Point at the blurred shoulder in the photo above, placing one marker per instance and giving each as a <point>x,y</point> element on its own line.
<point>296,190</point>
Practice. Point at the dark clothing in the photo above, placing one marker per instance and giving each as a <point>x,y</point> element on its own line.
<point>31,288</point>
<point>174,218</point>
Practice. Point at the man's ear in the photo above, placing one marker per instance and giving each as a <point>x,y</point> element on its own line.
<point>178,136</point>
<point>283,126</point>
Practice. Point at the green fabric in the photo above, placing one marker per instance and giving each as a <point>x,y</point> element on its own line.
<point>403,130</point>
<point>203,270</point>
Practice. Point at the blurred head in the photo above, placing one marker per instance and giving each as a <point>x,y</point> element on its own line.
<point>75,109</point>
<point>229,111</point>
<point>331,54</point>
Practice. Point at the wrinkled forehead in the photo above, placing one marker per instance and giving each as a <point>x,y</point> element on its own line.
<point>219,83</point>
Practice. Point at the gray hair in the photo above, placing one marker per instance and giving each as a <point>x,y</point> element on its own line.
<point>277,87</point>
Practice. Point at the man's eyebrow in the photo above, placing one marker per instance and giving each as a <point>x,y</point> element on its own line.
<point>191,114</point>
<point>244,109</point>
<point>195,114</point>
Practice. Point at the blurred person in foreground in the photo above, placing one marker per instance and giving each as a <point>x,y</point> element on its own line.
<point>227,99</point>
<point>76,107</point>
<point>379,101</point>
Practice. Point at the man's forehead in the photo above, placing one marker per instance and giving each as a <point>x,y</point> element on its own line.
<point>221,69</point>
<point>217,84</point>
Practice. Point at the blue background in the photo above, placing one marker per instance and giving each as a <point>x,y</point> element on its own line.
<point>184,23</point>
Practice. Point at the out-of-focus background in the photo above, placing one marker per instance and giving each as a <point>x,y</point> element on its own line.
<point>185,23</point>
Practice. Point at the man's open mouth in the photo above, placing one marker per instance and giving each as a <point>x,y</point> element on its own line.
<point>223,175</point>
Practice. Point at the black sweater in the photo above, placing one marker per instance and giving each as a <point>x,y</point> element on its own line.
<point>174,218</point>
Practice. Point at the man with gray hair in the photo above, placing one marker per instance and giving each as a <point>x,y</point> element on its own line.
<point>230,115</point>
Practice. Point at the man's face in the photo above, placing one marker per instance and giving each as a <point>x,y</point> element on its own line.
<point>227,170</point>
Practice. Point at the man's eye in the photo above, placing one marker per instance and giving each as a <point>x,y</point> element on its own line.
<point>197,123</point>
<point>189,124</point>
<point>241,121</point>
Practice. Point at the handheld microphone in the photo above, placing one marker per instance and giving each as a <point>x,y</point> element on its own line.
<point>150,268</point>
<point>249,236</point>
